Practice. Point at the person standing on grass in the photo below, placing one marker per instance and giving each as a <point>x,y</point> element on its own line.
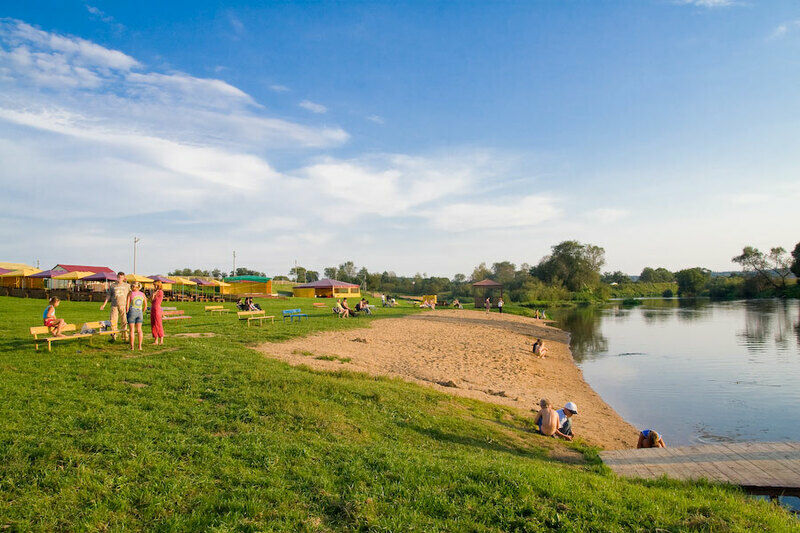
<point>53,324</point>
<point>500,304</point>
<point>137,305</point>
<point>156,314</point>
<point>118,295</point>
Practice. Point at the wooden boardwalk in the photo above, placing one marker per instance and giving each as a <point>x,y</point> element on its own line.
<point>771,468</point>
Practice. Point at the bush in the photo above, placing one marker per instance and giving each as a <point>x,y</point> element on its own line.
<point>668,293</point>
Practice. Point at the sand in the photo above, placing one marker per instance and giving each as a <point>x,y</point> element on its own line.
<point>471,354</point>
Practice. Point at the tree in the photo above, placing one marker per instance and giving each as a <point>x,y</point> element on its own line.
<point>330,272</point>
<point>346,272</point>
<point>480,273</point>
<point>503,272</point>
<point>298,273</point>
<point>615,277</point>
<point>656,275</point>
<point>217,273</point>
<point>796,262</point>
<point>312,275</point>
<point>244,271</point>
<point>768,266</point>
<point>575,265</point>
<point>692,281</point>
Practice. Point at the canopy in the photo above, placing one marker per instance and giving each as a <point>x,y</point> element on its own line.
<point>101,276</point>
<point>21,273</point>
<point>162,279</point>
<point>4,270</point>
<point>221,283</point>
<point>203,282</point>
<point>14,266</point>
<point>48,273</point>
<point>73,275</point>
<point>179,280</point>
<point>136,278</point>
<point>324,284</point>
<point>259,279</point>
<point>487,283</point>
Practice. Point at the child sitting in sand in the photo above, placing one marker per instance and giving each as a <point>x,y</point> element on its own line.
<point>53,324</point>
<point>649,438</point>
<point>547,418</point>
<point>538,349</point>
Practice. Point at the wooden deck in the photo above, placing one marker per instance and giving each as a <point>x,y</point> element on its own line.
<point>770,468</point>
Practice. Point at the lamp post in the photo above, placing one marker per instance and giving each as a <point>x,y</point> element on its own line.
<point>234,264</point>
<point>135,242</point>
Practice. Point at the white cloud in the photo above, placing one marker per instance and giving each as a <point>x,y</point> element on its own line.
<point>105,17</point>
<point>527,211</point>
<point>784,29</point>
<point>606,215</point>
<point>377,119</point>
<point>313,107</point>
<point>708,3</point>
<point>279,88</point>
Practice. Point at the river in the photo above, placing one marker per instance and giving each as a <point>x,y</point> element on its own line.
<point>696,371</point>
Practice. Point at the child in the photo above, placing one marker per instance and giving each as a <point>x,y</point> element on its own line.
<point>539,349</point>
<point>649,438</point>
<point>137,304</point>
<point>53,324</point>
<point>547,419</point>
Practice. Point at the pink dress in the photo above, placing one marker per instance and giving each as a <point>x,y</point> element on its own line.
<point>156,314</point>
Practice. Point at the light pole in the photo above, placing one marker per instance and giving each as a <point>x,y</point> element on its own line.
<point>234,264</point>
<point>135,242</point>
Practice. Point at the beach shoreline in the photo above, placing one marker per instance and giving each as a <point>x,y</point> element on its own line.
<point>471,354</point>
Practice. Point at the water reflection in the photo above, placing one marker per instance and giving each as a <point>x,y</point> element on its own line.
<point>697,370</point>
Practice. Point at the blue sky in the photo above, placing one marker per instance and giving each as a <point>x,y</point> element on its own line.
<point>414,136</point>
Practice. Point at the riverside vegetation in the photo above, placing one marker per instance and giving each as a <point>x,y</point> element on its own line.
<point>205,433</point>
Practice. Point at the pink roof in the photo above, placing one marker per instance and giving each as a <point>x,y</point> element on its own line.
<point>84,268</point>
<point>487,283</point>
<point>324,284</point>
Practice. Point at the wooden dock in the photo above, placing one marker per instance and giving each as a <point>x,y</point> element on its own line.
<point>769,468</point>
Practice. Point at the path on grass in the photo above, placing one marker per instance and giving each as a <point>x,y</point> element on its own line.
<point>471,354</point>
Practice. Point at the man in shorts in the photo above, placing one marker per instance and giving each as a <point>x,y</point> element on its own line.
<point>565,424</point>
<point>118,296</point>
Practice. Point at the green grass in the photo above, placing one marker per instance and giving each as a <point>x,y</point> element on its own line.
<point>206,434</point>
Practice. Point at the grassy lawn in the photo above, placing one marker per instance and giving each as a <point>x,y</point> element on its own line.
<point>206,434</point>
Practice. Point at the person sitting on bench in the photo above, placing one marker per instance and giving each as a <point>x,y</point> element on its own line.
<point>346,306</point>
<point>53,324</point>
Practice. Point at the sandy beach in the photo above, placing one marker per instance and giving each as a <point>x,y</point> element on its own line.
<point>471,354</point>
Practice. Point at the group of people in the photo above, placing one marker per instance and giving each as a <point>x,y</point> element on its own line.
<point>247,304</point>
<point>556,422</point>
<point>487,304</point>
<point>388,302</point>
<point>343,309</point>
<point>129,303</point>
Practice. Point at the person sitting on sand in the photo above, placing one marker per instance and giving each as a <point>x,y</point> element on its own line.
<point>54,325</point>
<point>649,438</point>
<point>547,418</point>
<point>538,348</point>
<point>565,424</point>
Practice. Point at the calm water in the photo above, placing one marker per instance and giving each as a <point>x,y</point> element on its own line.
<point>696,371</point>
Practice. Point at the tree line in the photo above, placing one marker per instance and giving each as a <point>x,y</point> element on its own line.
<point>571,271</point>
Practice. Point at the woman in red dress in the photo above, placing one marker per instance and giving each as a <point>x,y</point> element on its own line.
<point>156,314</point>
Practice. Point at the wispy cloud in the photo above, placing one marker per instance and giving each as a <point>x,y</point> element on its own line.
<point>105,17</point>
<point>237,25</point>
<point>377,119</point>
<point>784,29</point>
<point>707,3</point>
<point>606,215</point>
<point>313,106</point>
<point>279,88</point>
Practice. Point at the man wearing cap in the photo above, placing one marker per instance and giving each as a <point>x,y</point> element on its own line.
<point>118,295</point>
<point>565,424</point>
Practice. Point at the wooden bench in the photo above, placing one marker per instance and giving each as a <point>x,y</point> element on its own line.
<point>292,313</point>
<point>252,316</point>
<point>216,309</point>
<point>260,319</point>
<point>173,312</point>
<point>97,326</point>
<point>319,305</point>
<point>36,331</point>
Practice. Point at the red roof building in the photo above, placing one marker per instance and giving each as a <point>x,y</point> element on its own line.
<point>81,268</point>
<point>327,288</point>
